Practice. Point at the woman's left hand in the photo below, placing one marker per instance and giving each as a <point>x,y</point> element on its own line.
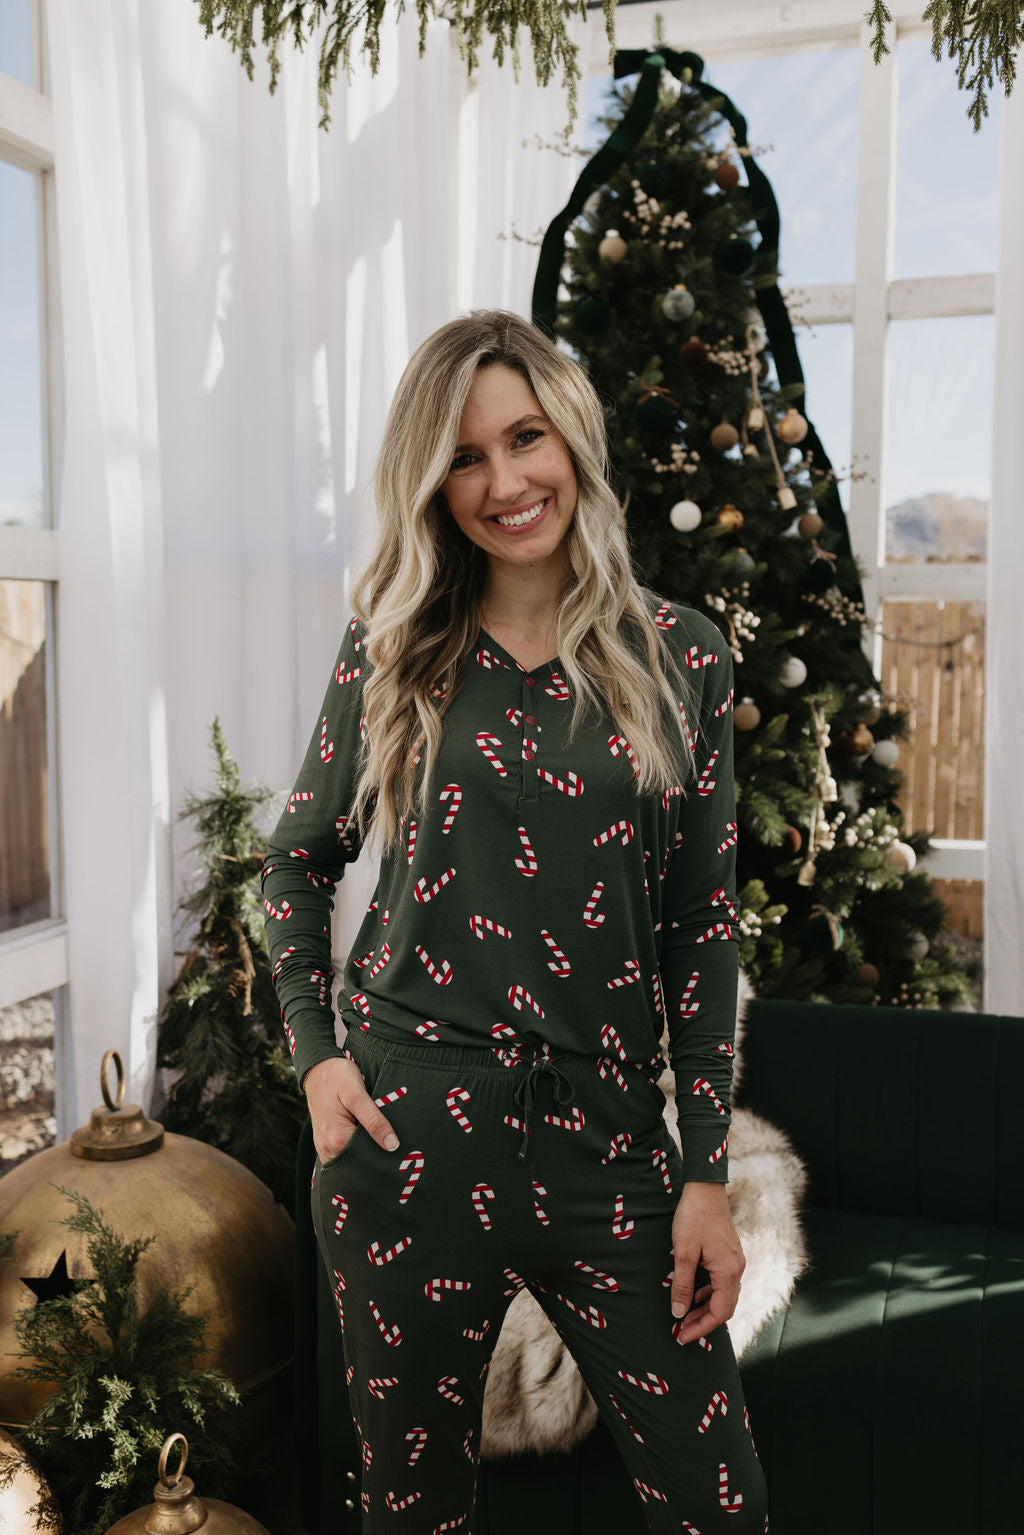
<point>703,1232</point>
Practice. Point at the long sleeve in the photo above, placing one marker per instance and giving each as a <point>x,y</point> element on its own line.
<point>306,857</point>
<point>700,939</point>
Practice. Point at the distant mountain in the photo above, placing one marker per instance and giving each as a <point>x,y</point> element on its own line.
<point>937,527</point>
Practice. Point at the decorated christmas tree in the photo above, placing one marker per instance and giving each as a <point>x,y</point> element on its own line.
<point>671,300</point>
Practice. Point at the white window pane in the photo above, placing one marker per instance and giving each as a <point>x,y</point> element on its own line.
<point>826,357</point>
<point>21,420</point>
<point>947,176</point>
<point>25,885</point>
<point>16,40</point>
<point>27,1121</point>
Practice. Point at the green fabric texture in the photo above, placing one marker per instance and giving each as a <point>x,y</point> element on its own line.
<point>537,899</point>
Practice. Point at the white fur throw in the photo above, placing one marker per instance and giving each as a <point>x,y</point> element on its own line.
<point>535,1399</point>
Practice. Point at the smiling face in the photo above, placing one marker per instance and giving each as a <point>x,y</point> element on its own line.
<point>512,487</point>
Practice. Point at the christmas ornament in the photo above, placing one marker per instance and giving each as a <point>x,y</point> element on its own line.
<point>785,497</point>
<point>214,1222</point>
<point>866,975</point>
<point>792,428</point>
<point>612,248</point>
<point>730,517</point>
<point>693,353</point>
<point>656,409</point>
<point>757,336</point>
<point>886,753</point>
<point>735,256</point>
<point>746,715</point>
<point>823,933</point>
<point>740,560</point>
<point>793,841</point>
<point>755,418</point>
<point>176,1509</point>
<point>24,1490</point>
<point>724,436</point>
<point>871,712</point>
<point>685,516</point>
<point>901,855</point>
<point>862,739</point>
<point>821,836</point>
<point>918,946</point>
<point>592,315</point>
<point>810,525</point>
<point>678,303</point>
<point>728,175</point>
<point>793,672</point>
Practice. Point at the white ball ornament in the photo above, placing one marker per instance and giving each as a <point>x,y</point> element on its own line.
<point>918,946</point>
<point>885,753</point>
<point>685,516</point>
<point>901,856</point>
<point>678,303</point>
<point>793,672</point>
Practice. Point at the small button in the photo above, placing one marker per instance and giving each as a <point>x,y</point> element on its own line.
<point>528,756</point>
<point>349,1503</point>
<point>529,719</point>
<point>350,1476</point>
<point>528,681</point>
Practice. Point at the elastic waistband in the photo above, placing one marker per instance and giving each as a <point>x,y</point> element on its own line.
<point>486,1060</point>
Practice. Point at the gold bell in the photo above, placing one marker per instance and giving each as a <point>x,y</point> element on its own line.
<point>177,1509</point>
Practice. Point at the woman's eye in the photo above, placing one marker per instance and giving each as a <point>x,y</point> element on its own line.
<point>457,463</point>
<point>530,431</point>
<point>524,438</point>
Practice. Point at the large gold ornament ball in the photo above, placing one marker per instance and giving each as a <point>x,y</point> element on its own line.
<point>810,525</point>
<point>724,436</point>
<point>746,715</point>
<point>612,248</point>
<point>792,428</point>
<point>730,517</point>
<point>22,1489</point>
<point>866,975</point>
<point>177,1507</point>
<point>862,739</point>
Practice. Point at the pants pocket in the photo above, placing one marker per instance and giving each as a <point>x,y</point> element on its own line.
<point>372,1068</point>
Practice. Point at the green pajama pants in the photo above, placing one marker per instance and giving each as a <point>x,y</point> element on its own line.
<point>553,1171</point>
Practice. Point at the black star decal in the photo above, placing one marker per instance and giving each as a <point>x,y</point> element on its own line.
<point>57,1282</point>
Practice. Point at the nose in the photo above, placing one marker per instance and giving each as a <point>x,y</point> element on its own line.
<point>508,482</point>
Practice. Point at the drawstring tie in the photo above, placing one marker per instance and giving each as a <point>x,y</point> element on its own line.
<point>526,1092</point>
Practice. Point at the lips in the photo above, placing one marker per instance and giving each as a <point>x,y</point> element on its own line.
<point>523,527</point>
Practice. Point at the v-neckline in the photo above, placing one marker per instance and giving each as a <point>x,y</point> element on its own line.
<point>542,666</point>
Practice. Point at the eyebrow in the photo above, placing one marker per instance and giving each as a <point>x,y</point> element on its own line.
<point>463,447</point>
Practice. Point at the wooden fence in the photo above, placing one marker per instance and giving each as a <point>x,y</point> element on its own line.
<point>24,807</point>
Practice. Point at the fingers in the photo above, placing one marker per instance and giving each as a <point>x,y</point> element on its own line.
<point>338,1104</point>
<point>712,1308</point>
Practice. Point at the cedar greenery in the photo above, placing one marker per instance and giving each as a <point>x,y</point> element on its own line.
<point>984,36</point>
<point>544,20</point>
<point>221,1026</point>
<point>125,1378</point>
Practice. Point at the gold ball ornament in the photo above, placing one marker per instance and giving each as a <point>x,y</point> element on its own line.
<point>612,248</point>
<point>810,525</point>
<point>730,517</point>
<point>862,739</point>
<point>177,1509</point>
<point>724,436</point>
<point>866,975</point>
<point>23,1489</point>
<point>746,715</point>
<point>792,428</point>
<point>901,856</point>
<point>755,419</point>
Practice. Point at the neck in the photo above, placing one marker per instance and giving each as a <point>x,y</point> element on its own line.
<point>523,599</point>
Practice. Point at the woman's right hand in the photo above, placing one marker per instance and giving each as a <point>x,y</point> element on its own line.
<point>338,1101</point>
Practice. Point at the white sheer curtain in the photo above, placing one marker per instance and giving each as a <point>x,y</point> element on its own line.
<point>240,292</point>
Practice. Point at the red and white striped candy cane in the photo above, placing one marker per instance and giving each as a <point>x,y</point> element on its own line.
<point>602,1281</point>
<point>720,1152</point>
<point>746,1425</point>
<point>705,783</point>
<point>725,705</point>
<point>610,1038</point>
<point>514,717</point>
<point>590,1314</point>
<point>620,1226</point>
<point>298,852</point>
<point>340,1203</point>
<point>664,863</point>
<point>320,881</point>
<point>659,1006</point>
<point>385,917</point>
<point>376,1256</point>
<point>619,1143</point>
<point>326,747</point>
<point>396,1504</point>
<point>476,1334</point>
<point>651,1382</point>
<point>425,1031</point>
<point>349,676</point>
<point>660,1160</point>
<point>513,1122</point>
<point>467,1449</point>
<point>731,1505</point>
<point>298,798</point>
<point>559,966</point>
<point>571,784</point>
<point>286,954</point>
<point>670,793</point>
<point>539,1193</point>
<point>356,643</point>
<point>691,734</point>
<point>485,743</point>
<point>591,917</point>
<point>424,892</point>
<point>392,1097</point>
<point>320,980</point>
<point>363,959</point>
<point>664,617</point>
<point>719,1403</point>
<point>442,973</point>
<point>444,1387</point>
<point>390,1335</point>
<point>635,1432</point>
<point>618,745</point>
<point>410,850</point>
<point>520,998</point>
<point>705,1345</point>
<point>290,1038</point>
<point>450,1524</point>
<point>456,1096</point>
<point>725,1048</point>
<point>362,727</point>
<point>414,1161</point>
<point>632,974</point>
<point>480,926</point>
<point>385,955</point>
<point>480,1192</point>
<point>621,829</point>
<point>701,1085</point>
<point>731,839</point>
<point>606,1067</point>
<point>358,999</point>
<point>344,835</point>
<point>454,793</point>
<point>530,749</point>
<point>282,912</point>
<point>503,1031</point>
<point>418,1438</point>
<point>559,689</point>
<point>489,660</point>
<point>695,659</point>
<point>688,1008</point>
<point>716,930</point>
<point>434,1288</point>
<point>514,1280</point>
<point>527,865</point>
<point>379,1384</point>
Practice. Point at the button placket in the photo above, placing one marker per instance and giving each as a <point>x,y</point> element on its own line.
<point>530,728</point>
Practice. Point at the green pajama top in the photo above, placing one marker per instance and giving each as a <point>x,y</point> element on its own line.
<point>536,897</point>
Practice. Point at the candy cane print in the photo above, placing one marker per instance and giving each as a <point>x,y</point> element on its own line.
<point>414,1161</point>
<point>412,842</point>
<point>559,689</point>
<point>390,1335</point>
<point>424,892</point>
<point>632,974</point>
<point>363,960</point>
<point>539,1193</point>
<point>647,1491</point>
<point>651,1382</point>
<point>298,798</point>
<point>635,1432</point>
<point>320,980</point>
<point>282,912</point>
<point>706,785</point>
<point>530,749</point>
<point>469,1456</point>
<point>396,1504</point>
<point>720,898</point>
<point>619,1143</point>
<point>659,1006</point>
<point>441,974</point>
<point>527,865</point>
<point>620,1226</point>
<point>480,1192</point>
<point>326,747</point>
<point>454,793</point>
<point>664,863</point>
<point>444,1387</point>
<point>607,1067</point>
<point>664,617</point>
<point>660,1160</point>
<point>485,742</point>
<point>610,1037</point>
<point>456,1096</point>
<point>590,1314</point>
<point>725,1048</point>
<point>731,839</point>
<point>298,852</point>
<point>695,660</point>
<point>571,784</point>
<point>514,1280</point>
<point>513,1122</point>
<point>688,1009</point>
<point>419,1435</point>
<point>481,926</point>
<point>290,1038</point>
<point>670,793</point>
<point>476,1334</point>
<point>716,1155</point>
<point>705,1345</point>
<point>703,1086</point>
<point>385,955</point>
<point>520,997</point>
<point>286,954</point>
<point>358,999</point>
<point>379,1384</point>
<point>344,836</point>
<point>385,917</point>
<point>356,643</point>
<point>559,966</point>
<point>451,1524</point>
<point>592,918</point>
<point>618,745</point>
<point>719,1403</point>
<point>731,1506</point>
<point>725,705</point>
<point>489,660</point>
<point>320,881</point>
<point>349,676</point>
<point>340,1203</point>
<point>392,1097</point>
<point>434,1288</point>
<point>750,1431</point>
<point>503,1031</point>
<point>716,930</point>
<point>602,1281</point>
<point>690,734</point>
<point>621,829</point>
<point>376,1256</point>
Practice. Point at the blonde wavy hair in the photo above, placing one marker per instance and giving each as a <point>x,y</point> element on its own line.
<point>420,596</point>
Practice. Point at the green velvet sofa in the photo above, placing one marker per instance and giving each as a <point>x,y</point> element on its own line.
<point>885,1399</point>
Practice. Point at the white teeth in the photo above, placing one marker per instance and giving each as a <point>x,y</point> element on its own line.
<point>520,518</point>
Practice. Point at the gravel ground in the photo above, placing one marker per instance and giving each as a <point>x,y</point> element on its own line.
<point>27,1121</point>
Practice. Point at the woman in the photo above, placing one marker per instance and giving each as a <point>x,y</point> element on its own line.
<point>543,751</point>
